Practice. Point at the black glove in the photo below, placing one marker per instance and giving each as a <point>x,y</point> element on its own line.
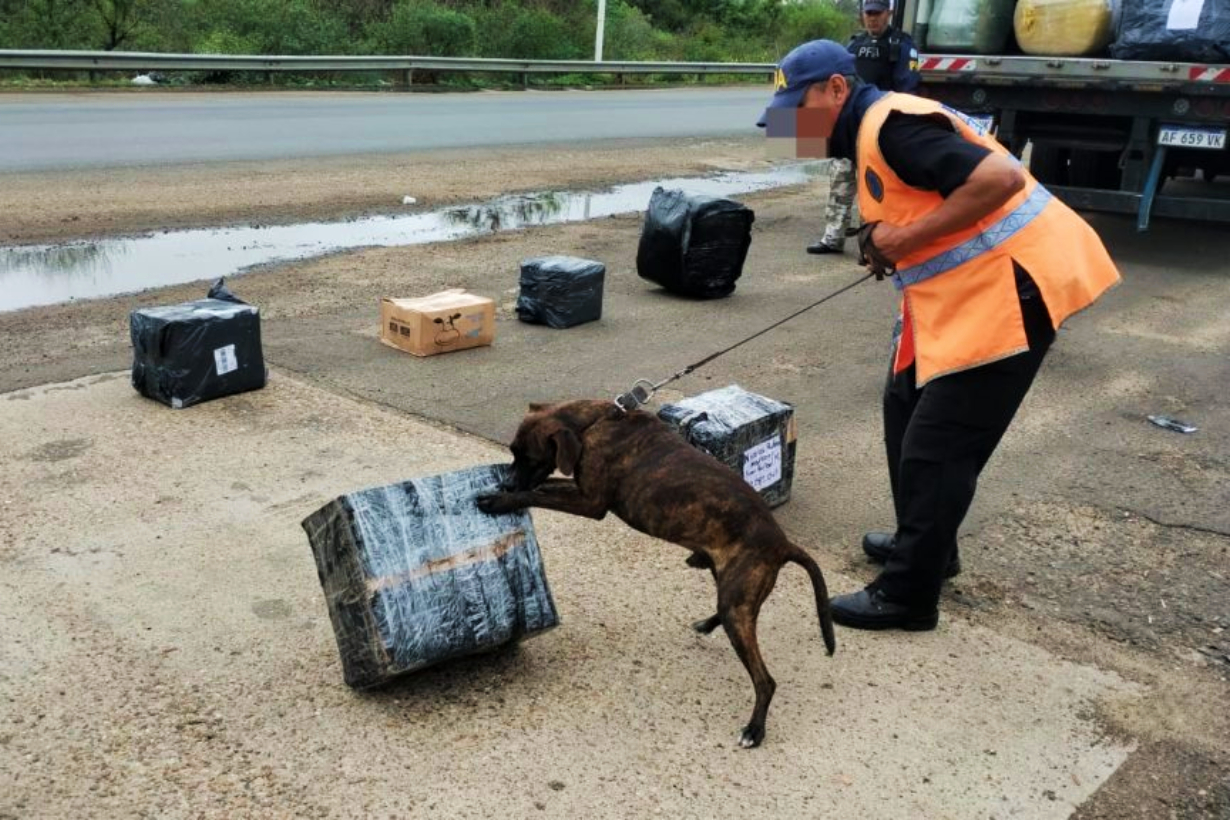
<point>869,255</point>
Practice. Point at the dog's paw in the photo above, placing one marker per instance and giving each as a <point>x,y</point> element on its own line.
<point>497,504</point>
<point>707,625</point>
<point>751,736</point>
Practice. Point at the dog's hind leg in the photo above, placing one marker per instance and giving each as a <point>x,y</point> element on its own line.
<point>700,560</point>
<point>739,605</point>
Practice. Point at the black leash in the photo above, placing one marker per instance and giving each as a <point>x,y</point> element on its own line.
<point>643,389</point>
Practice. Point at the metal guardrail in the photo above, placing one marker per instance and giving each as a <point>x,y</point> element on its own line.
<point>148,61</point>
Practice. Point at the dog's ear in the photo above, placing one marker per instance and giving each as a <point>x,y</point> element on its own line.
<point>567,450</point>
<point>538,406</point>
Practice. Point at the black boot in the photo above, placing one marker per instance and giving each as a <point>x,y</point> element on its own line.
<point>821,247</point>
<point>869,609</point>
<point>879,545</point>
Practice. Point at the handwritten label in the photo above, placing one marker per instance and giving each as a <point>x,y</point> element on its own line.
<point>762,464</point>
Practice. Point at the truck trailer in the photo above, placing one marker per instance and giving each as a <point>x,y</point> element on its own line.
<point>1142,137</point>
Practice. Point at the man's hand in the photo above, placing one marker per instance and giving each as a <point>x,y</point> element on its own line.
<point>869,255</point>
<point>992,183</point>
<point>891,242</point>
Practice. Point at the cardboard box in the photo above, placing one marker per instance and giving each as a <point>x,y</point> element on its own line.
<point>445,321</point>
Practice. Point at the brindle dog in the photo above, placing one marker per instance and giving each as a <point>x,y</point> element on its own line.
<point>638,467</point>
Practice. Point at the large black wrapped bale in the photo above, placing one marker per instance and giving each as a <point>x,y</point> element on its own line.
<point>414,574</point>
<point>196,351</point>
<point>694,245</point>
<point>751,434</point>
<point>560,291</point>
<point>1173,30</point>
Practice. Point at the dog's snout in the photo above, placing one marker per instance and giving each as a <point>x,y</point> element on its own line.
<point>519,477</point>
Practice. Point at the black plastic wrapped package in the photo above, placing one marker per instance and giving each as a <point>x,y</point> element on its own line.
<point>560,291</point>
<point>694,245</point>
<point>1173,30</point>
<point>196,351</point>
<point>414,574</point>
<point>751,434</point>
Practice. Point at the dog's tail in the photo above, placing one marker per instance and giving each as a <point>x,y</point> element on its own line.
<point>798,556</point>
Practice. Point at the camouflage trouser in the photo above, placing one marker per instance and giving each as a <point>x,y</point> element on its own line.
<point>840,208</point>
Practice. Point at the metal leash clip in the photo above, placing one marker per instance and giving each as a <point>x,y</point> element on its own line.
<point>642,391</point>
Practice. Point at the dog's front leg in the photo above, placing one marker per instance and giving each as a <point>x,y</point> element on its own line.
<point>556,494</point>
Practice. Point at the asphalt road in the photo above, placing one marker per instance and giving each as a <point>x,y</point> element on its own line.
<point>78,131</point>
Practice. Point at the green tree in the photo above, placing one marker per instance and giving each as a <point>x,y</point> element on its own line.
<point>671,15</point>
<point>630,36</point>
<point>513,31</point>
<point>119,20</point>
<point>267,26</point>
<point>48,24</point>
<point>426,28</point>
<point>803,21</point>
<point>359,14</point>
<point>701,30</point>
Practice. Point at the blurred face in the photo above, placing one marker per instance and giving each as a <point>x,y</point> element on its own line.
<point>875,22</point>
<point>803,133</point>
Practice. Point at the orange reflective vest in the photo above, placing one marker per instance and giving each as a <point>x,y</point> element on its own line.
<point>959,301</point>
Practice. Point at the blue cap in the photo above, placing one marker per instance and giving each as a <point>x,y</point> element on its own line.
<point>875,5</point>
<point>809,63</point>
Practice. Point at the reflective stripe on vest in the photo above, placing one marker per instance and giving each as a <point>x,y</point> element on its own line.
<point>977,245</point>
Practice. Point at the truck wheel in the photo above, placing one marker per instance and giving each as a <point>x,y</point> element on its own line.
<point>1049,163</point>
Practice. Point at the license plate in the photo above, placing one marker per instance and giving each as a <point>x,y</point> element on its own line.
<point>1213,139</point>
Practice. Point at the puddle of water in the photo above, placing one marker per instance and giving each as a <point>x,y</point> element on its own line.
<point>46,274</point>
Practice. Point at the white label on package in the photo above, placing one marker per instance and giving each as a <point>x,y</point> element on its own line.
<point>762,464</point>
<point>1184,14</point>
<point>224,358</point>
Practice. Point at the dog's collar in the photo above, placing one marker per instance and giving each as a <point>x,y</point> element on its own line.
<point>640,394</point>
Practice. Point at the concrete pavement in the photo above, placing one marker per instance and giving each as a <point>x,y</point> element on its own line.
<point>168,653</point>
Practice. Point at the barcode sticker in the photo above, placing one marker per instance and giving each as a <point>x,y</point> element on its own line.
<point>762,464</point>
<point>224,359</point>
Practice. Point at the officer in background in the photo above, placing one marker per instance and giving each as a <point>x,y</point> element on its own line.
<point>887,59</point>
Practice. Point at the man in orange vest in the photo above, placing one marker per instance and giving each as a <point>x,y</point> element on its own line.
<point>988,264</point>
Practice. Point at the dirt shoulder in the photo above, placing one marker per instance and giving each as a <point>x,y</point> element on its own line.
<point>49,206</point>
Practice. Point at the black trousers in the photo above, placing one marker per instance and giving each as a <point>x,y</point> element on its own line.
<point>938,439</point>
